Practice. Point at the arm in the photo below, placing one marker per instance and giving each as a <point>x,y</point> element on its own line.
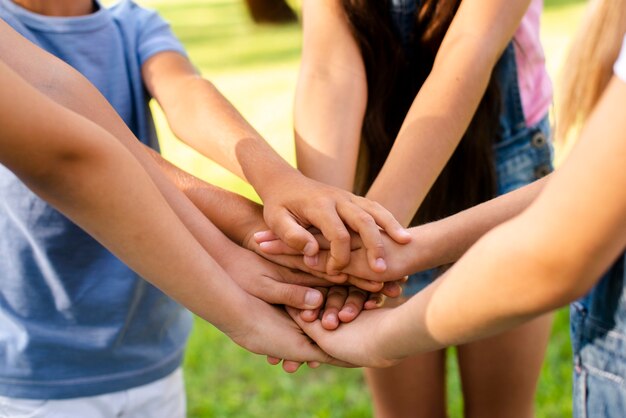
<point>551,254</point>
<point>203,118</point>
<point>444,106</point>
<point>256,328</point>
<point>331,96</point>
<point>239,218</point>
<point>67,87</point>
<point>69,161</point>
<point>236,216</point>
<point>432,245</point>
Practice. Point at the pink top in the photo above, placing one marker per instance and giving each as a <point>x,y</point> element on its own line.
<point>620,65</point>
<point>534,82</point>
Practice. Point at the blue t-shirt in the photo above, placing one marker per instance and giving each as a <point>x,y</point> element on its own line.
<point>74,320</point>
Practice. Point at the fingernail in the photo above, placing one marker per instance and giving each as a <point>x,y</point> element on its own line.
<point>309,249</point>
<point>312,298</point>
<point>311,261</point>
<point>380,264</point>
<point>348,310</point>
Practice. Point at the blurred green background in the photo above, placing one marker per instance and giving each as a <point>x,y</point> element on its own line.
<point>255,67</point>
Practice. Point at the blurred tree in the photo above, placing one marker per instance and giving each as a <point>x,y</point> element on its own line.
<point>271,11</point>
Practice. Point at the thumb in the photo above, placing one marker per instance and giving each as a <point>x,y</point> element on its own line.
<point>293,295</point>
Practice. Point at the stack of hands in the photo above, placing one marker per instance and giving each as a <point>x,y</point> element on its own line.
<point>321,269</point>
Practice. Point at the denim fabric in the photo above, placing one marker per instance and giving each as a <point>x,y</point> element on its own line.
<point>522,154</point>
<point>598,332</point>
<point>403,17</point>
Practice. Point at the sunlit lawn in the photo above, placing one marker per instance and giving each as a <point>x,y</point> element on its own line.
<point>256,68</point>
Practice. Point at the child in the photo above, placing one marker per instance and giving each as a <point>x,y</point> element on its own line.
<point>406,92</point>
<point>106,329</point>
<point>561,247</point>
<point>84,171</point>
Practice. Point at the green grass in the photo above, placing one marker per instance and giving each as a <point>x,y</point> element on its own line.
<point>256,68</point>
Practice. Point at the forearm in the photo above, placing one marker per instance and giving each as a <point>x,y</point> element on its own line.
<point>234,215</point>
<point>329,110</point>
<point>446,103</point>
<point>481,296</point>
<point>549,255</point>
<point>83,171</point>
<point>71,90</point>
<point>432,129</point>
<point>445,241</point>
<point>331,96</point>
<point>202,117</point>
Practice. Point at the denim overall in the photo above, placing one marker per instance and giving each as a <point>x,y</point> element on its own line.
<point>598,332</point>
<point>522,154</point>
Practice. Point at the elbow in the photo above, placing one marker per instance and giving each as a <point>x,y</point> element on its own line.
<point>64,169</point>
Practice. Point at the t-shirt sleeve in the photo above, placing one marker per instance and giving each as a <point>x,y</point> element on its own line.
<point>620,65</point>
<point>154,35</point>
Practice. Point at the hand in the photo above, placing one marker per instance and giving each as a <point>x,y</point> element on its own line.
<point>289,259</point>
<point>268,330</point>
<point>401,258</point>
<point>390,289</point>
<point>342,305</point>
<point>296,203</point>
<point>273,283</point>
<point>360,342</point>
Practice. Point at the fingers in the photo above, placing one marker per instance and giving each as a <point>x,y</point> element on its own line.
<point>374,301</point>
<point>334,302</point>
<point>271,243</point>
<point>291,366</point>
<point>337,234</point>
<point>365,225</point>
<point>384,219</point>
<point>291,232</point>
<point>310,315</point>
<point>296,262</point>
<point>392,289</point>
<point>273,360</point>
<point>368,285</point>
<point>277,247</point>
<point>300,297</point>
<point>263,236</point>
<point>294,275</point>
<point>315,330</point>
<point>353,304</point>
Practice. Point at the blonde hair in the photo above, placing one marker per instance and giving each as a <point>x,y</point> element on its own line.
<point>589,65</point>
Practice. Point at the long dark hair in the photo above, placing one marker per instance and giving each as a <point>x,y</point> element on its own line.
<point>395,73</point>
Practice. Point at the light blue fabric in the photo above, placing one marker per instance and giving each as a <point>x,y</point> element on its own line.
<point>598,331</point>
<point>74,320</point>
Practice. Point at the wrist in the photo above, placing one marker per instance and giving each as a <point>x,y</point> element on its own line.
<point>386,343</point>
<point>282,176</point>
<point>431,246</point>
<point>238,322</point>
